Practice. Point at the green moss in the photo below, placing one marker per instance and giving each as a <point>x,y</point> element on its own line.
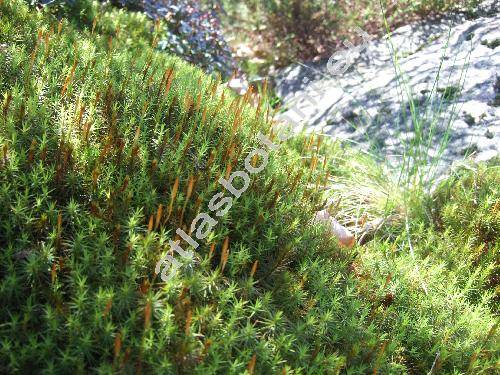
<point>96,127</point>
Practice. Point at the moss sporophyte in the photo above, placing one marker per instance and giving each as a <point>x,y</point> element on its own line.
<point>203,223</point>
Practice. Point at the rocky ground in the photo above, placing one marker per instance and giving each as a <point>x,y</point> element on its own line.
<point>452,68</point>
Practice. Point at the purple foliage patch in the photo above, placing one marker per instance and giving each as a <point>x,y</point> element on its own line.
<point>191,32</point>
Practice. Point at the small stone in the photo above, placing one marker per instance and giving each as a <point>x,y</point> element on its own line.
<point>343,235</point>
<point>238,85</point>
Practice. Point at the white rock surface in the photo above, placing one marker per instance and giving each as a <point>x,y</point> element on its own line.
<point>368,105</point>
